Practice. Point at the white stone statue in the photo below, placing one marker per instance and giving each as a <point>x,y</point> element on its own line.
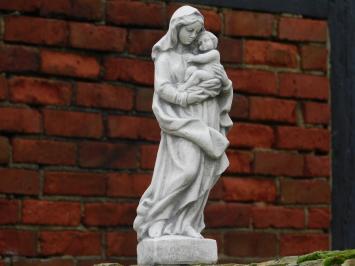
<point>192,98</point>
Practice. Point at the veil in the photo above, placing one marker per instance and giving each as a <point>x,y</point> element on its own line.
<point>184,15</point>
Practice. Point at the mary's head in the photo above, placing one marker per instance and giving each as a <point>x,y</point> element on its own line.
<point>185,24</point>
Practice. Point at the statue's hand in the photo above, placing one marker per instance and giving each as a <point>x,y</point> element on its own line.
<point>211,84</point>
<point>221,74</point>
<point>196,97</point>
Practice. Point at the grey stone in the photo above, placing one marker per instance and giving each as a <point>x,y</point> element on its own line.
<point>172,250</point>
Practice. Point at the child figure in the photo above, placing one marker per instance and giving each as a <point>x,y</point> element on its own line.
<point>207,44</point>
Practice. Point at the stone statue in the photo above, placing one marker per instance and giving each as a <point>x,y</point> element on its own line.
<point>192,98</point>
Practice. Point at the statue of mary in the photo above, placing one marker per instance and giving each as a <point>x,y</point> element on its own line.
<point>191,156</point>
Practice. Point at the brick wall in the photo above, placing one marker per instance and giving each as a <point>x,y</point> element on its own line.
<point>78,138</point>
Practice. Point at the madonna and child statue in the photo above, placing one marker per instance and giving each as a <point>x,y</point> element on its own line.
<point>192,98</point>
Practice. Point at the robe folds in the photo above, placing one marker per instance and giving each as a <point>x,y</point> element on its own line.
<point>191,155</point>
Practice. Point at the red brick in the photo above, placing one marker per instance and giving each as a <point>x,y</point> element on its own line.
<point>231,50</point>
<point>128,69</point>
<point>39,91</point>
<point>243,23</point>
<point>299,244</point>
<point>271,109</point>
<point>297,29</point>
<point>251,135</point>
<point>51,212</point>
<point>148,154</point>
<point>20,120</point>
<point>3,87</point>
<point>103,38</point>
<point>278,163</point>
<point>43,262</point>
<point>20,5</point>
<point>122,244</point>
<point>108,155</point>
<point>75,183</point>
<point>317,166</point>
<point>87,9</point>
<point>307,191</point>
<point>278,217</point>
<point>17,242</point>
<point>253,81</point>
<point>104,96</point>
<point>141,41</point>
<point>250,244</point>
<point>144,100</point>
<point>36,30</point>
<point>69,64</point>
<point>270,53</point>
<point>316,113</point>
<point>318,218</point>
<point>9,211</point>
<point>248,189</point>
<point>240,162</point>
<point>314,57</point>
<point>4,150</point>
<point>44,152</point>
<point>19,181</point>
<point>73,124</point>
<point>304,86</point>
<point>75,243</point>
<point>240,107</point>
<point>109,214</point>
<point>227,215</point>
<point>127,185</point>
<point>303,138</point>
<point>16,58</point>
<point>132,127</point>
<point>135,13</point>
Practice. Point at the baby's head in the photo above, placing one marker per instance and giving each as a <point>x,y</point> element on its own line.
<point>207,41</point>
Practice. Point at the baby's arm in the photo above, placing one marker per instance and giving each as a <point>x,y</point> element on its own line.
<point>207,57</point>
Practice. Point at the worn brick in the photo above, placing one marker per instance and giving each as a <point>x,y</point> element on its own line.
<point>271,109</point>
<point>36,30</point>
<point>4,150</point>
<point>253,81</point>
<point>19,181</point>
<point>270,53</point>
<point>69,64</point>
<point>133,127</point>
<point>148,154</point>
<point>135,13</point>
<point>240,107</point>
<point>17,58</point>
<point>303,138</point>
<point>20,5</point>
<point>317,166</point>
<point>109,214</point>
<point>278,217</point>
<point>127,185</point>
<point>104,95</point>
<point>278,163</point>
<point>144,100</point>
<point>251,135</point>
<point>227,215</point>
<point>9,211</point>
<point>39,91</point>
<point>299,244</point>
<point>73,124</point>
<point>248,189</point>
<point>298,29</point>
<point>250,244</point>
<point>44,152</point>
<point>304,86</point>
<point>107,155</point>
<point>51,212</point>
<point>316,113</point>
<point>23,120</point>
<point>128,69</point>
<point>231,50</point>
<point>103,38</point>
<point>19,242</point>
<point>307,191</point>
<point>122,243</point>
<point>244,23</point>
<point>75,243</point>
<point>319,218</point>
<point>3,87</point>
<point>141,41</point>
<point>314,57</point>
<point>74,183</point>
<point>240,162</point>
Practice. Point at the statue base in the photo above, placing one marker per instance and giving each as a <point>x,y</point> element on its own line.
<point>175,250</point>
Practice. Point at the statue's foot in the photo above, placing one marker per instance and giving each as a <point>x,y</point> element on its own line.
<point>156,229</point>
<point>189,231</point>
